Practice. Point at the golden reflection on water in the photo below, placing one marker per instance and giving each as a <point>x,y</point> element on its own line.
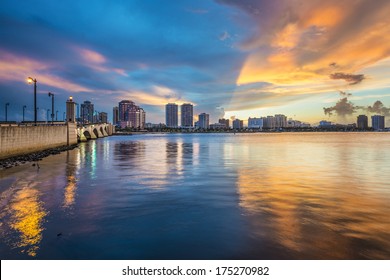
<point>314,211</point>
<point>26,217</point>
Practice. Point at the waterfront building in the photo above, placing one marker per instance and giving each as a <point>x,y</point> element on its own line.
<point>217,126</point>
<point>280,121</point>
<point>123,109</point>
<point>378,122</point>
<point>224,122</point>
<point>70,110</point>
<point>203,121</point>
<point>362,122</point>
<point>103,117</point>
<point>269,122</point>
<point>255,123</point>
<point>325,123</point>
<point>87,112</point>
<point>238,124</point>
<point>115,115</point>
<point>171,115</point>
<point>131,115</point>
<point>187,115</point>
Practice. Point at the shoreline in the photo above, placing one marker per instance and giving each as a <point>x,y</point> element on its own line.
<point>32,157</point>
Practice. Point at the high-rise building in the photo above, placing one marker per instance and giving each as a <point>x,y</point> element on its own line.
<point>130,115</point>
<point>187,115</point>
<point>269,122</point>
<point>171,119</point>
<point>238,124</point>
<point>362,122</point>
<point>255,123</point>
<point>70,110</point>
<point>103,117</point>
<point>204,121</point>
<point>87,111</point>
<point>124,107</point>
<point>378,122</point>
<point>115,115</point>
<point>280,121</point>
<point>225,122</point>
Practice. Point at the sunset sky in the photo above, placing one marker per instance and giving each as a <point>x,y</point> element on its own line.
<point>229,58</point>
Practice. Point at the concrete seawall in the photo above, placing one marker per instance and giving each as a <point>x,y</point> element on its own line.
<point>18,140</point>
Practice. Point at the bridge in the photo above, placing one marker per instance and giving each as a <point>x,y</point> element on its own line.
<point>94,131</point>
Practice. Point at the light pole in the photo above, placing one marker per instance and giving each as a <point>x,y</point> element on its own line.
<point>6,111</point>
<point>24,108</point>
<point>57,115</point>
<point>30,81</point>
<point>52,106</point>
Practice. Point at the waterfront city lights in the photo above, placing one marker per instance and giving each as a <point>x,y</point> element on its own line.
<point>52,106</point>
<point>30,81</point>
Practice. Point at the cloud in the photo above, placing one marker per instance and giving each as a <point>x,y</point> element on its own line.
<point>343,93</point>
<point>342,108</point>
<point>350,78</point>
<point>224,36</point>
<point>378,108</point>
<point>294,43</point>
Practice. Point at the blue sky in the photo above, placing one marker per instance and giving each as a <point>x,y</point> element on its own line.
<point>229,58</point>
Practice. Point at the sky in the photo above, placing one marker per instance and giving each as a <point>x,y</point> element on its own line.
<point>310,60</point>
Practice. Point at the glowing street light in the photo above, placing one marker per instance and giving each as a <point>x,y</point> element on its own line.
<point>52,106</point>
<point>30,81</point>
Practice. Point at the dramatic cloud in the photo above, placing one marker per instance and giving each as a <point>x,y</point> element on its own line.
<point>350,78</point>
<point>297,43</point>
<point>237,55</point>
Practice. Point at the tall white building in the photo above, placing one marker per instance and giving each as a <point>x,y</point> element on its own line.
<point>171,115</point>
<point>187,115</point>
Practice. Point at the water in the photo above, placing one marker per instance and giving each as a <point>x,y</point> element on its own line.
<point>203,196</point>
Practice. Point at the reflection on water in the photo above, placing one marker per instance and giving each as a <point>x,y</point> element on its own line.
<point>26,216</point>
<point>207,196</point>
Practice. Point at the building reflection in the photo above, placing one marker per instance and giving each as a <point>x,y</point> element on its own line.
<point>312,210</point>
<point>26,216</point>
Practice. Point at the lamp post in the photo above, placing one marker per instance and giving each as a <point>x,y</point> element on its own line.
<point>24,108</point>
<point>6,111</point>
<point>30,81</point>
<point>57,115</point>
<point>52,106</point>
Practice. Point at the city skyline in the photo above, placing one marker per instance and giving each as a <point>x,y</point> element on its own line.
<point>227,58</point>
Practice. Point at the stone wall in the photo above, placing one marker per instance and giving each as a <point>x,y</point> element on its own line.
<point>17,140</point>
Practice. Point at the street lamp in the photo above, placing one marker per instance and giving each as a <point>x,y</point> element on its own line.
<point>24,108</point>
<point>6,111</point>
<point>52,106</point>
<point>30,81</point>
<point>57,115</point>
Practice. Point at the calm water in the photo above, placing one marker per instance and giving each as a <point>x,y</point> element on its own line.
<point>204,196</point>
